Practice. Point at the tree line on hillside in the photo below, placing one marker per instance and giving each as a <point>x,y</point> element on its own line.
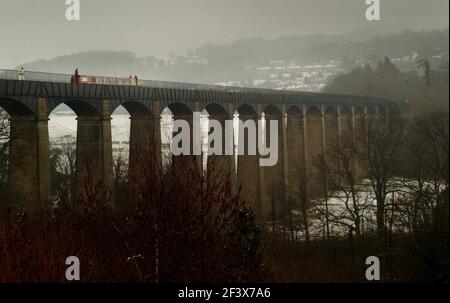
<point>417,92</point>
<point>238,61</point>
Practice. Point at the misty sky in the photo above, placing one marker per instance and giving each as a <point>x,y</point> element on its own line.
<point>30,30</point>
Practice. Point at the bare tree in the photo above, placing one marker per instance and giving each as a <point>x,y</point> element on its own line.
<point>425,65</point>
<point>325,179</point>
<point>63,163</point>
<point>4,126</point>
<point>428,183</point>
<point>4,140</point>
<point>305,205</point>
<point>380,156</point>
<point>352,201</point>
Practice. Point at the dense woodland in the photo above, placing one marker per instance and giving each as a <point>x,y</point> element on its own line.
<point>424,89</point>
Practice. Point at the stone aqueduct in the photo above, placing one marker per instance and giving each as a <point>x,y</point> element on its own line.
<point>310,122</point>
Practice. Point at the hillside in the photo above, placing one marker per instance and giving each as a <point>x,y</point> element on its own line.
<point>290,62</point>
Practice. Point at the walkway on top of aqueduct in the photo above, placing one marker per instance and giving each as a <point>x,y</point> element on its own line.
<point>58,89</point>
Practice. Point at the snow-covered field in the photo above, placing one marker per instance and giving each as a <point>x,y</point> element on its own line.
<point>63,129</point>
<point>64,124</point>
<point>340,207</point>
